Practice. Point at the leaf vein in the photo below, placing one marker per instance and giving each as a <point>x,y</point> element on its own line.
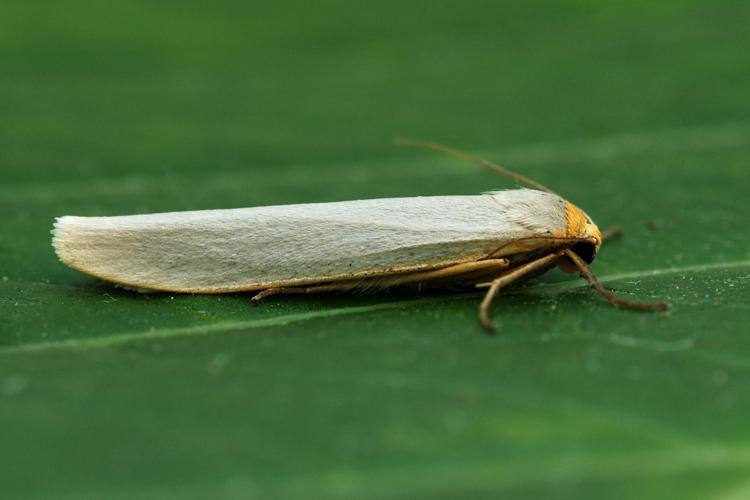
<point>127,337</point>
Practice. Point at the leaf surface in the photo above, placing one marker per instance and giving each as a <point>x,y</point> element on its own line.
<point>636,113</point>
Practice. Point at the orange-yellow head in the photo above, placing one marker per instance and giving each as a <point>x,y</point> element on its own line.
<point>581,227</point>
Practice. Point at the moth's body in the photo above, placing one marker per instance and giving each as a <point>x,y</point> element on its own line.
<point>341,245</point>
<point>491,240</point>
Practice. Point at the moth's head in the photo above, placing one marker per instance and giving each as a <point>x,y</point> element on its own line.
<point>579,226</point>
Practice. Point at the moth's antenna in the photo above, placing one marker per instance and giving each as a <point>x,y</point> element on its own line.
<point>404,141</point>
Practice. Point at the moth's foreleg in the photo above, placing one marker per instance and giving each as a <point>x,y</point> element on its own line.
<point>508,279</point>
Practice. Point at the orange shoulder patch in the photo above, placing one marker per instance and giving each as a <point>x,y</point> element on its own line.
<point>576,221</point>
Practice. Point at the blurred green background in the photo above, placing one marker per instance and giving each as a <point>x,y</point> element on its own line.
<point>636,111</point>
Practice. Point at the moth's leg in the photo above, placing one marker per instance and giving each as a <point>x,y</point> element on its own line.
<point>507,279</point>
<point>468,268</point>
<point>275,291</point>
<point>297,290</point>
<point>612,232</point>
<point>611,297</point>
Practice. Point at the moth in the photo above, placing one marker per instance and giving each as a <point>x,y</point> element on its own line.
<point>488,241</point>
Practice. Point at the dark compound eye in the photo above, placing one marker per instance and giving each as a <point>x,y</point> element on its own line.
<point>586,251</point>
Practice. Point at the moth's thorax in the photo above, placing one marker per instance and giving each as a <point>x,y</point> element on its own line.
<point>579,225</point>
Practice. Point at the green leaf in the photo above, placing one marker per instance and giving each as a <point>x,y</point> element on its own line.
<point>637,112</point>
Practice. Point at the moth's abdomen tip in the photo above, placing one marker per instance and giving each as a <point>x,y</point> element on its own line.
<point>56,230</point>
<point>62,230</point>
<point>61,224</point>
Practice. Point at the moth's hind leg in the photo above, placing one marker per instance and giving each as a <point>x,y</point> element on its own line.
<point>273,291</point>
<point>298,290</point>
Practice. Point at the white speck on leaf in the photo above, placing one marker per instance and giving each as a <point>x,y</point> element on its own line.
<point>634,372</point>
<point>593,364</point>
<point>720,377</point>
<point>15,384</point>
<point>217,363</point>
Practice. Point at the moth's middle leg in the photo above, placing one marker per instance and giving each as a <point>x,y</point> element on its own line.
<point>455,272</point>
<point>509,278</point>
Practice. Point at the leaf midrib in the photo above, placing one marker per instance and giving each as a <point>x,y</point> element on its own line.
<point>128,337</point>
